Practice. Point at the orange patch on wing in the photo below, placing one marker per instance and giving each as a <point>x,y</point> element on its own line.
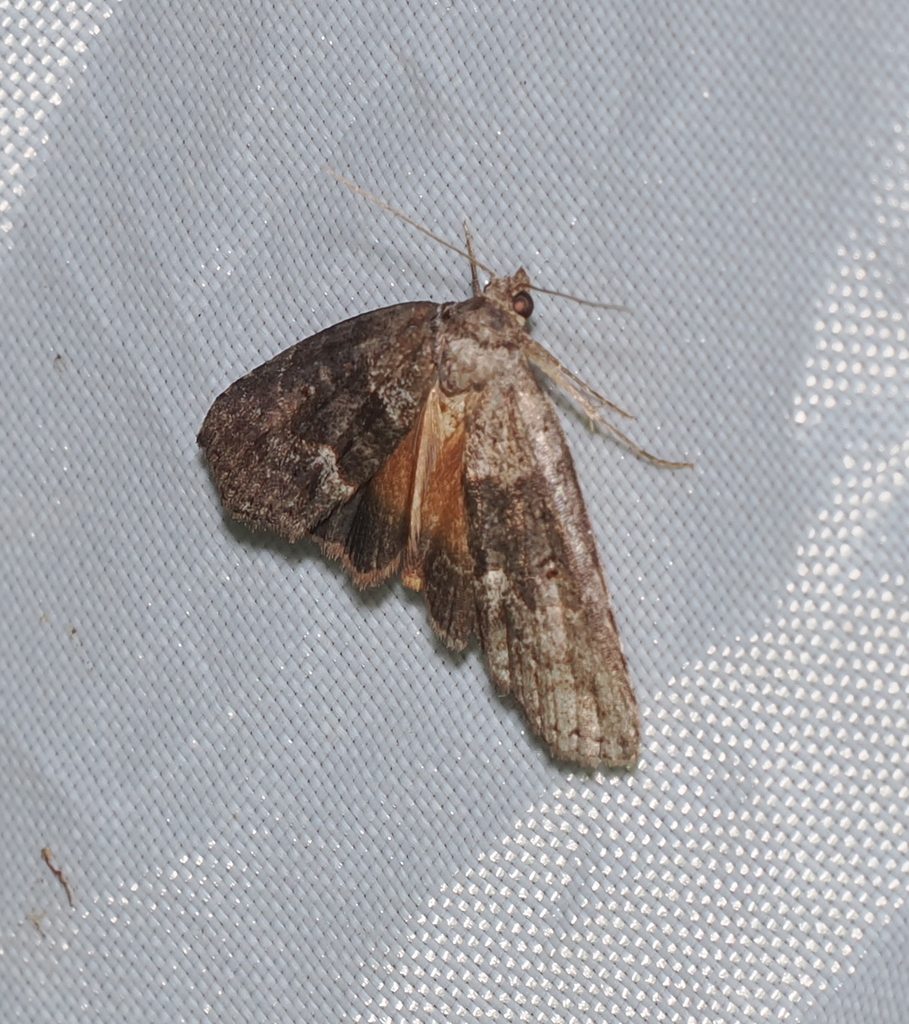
<point>392,485</point>
<point>439,516</point>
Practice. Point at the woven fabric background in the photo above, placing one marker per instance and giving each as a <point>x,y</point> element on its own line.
<point>277,799</point>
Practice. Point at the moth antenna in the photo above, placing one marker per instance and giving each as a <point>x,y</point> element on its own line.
<point>474,280</point>
<point>474,262</point>
<point>580,301</point>
<point>468,254</point>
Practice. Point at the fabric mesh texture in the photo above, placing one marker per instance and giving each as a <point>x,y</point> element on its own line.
<point>278,799</point>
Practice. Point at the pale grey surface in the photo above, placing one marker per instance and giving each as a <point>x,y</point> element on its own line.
<point>278,799</point>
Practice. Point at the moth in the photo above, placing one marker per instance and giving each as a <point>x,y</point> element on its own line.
<point>418,439</point>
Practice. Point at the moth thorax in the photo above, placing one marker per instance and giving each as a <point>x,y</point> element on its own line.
<point>466,364</point>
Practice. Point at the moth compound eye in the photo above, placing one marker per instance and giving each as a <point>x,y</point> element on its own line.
<point>522,304</point>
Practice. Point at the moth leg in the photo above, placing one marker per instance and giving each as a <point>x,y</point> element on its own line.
<point>471,255</point>
<point>590,401</point>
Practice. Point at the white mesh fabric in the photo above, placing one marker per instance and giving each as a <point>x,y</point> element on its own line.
<point>278,799</point>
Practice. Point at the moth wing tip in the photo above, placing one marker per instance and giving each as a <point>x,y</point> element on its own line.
<point>620,750</point>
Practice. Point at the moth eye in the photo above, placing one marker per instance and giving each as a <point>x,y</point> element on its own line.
<point>522,304</point>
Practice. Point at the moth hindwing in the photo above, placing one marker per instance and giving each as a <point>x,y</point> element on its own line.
<point>418,440</point>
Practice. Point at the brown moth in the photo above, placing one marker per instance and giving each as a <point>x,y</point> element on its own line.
<point>418,440</point>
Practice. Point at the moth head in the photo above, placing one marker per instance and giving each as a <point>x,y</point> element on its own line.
<point>511,294</point>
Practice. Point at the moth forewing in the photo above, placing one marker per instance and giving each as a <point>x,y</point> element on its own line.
<point>298,437</point>
<point>543,611</point>
<point>418,439</point>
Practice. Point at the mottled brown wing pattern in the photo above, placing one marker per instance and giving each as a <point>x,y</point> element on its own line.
<point>370,532</point>
<point>298,437</point>
<point>417,439</point>
<point>544,617</point>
